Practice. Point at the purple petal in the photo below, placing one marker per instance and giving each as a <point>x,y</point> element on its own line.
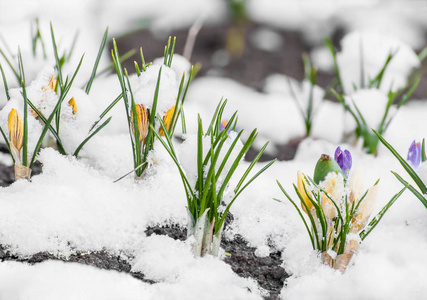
<point>414,154</point>
<point>343,159</point>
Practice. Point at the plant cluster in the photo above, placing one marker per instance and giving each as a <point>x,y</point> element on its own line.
<point>205,198</point>
<point>338,210</point>
<point>396,96</point>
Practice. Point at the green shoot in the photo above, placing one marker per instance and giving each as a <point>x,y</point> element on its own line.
<point>98,58</point>
<point>207,195</point>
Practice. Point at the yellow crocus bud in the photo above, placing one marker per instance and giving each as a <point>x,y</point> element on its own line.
<point>301,183</point>
<point>167,119</point>
<point>73,104</point>
<point>16,130</point>
<point>143,122</point>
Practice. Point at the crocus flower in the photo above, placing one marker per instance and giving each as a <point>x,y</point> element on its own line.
<point>16,134</point>
<point>343,159</point>
<point>142,119</point>
<point>414,154</point>
<point>167,119</point>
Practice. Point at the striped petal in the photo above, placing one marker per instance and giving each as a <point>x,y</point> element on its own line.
<point>143,122</point>
<point>16,129</point>
<point>167,119</point>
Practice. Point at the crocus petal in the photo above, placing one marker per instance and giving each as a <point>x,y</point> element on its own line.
<point>167,119</point>
<point>52,83</point>
<point>365,209</point>
<point>16,129</point>
<point>355,186</point>
<point>143,123</point>
<point>414,154</point>
<point>343,159</point>
<point>334,187</point>
<point>301,183</point>
<point>73,104</point>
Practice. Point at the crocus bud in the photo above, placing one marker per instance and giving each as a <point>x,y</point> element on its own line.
<point>343,159</point>
<point>414,154</point>
<point>324,166</point>
<point>16,129</point>
<point>303,190</point>
<point>167,119</point>
<point>142,118</point>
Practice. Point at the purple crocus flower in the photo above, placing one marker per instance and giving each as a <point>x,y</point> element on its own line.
<point>414,154</point>
<point>343,159</point>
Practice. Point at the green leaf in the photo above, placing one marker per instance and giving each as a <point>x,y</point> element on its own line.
<point>328,43</point>
<point>115,101</point>
<point>10,65</point>
<point>58,63</point>
<point>52,130</point>
<point>423,150</point>
<point>150,136</point>
<point>76,153</point>
<point>98,58</point>
<point>6,89</point>
<point>24,92</point>
<point>412,189</point>
<point>7,143</point>
<point>364,233</point>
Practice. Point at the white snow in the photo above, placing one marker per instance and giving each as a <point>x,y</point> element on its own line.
<point>74,206</point>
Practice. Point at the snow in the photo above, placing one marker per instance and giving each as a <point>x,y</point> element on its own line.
<point>74,205</point>
<point>369,50</point>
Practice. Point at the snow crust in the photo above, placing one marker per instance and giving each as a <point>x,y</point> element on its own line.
<point>75,206</point>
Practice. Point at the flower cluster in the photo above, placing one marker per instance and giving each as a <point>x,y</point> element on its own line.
<point>337,208</point>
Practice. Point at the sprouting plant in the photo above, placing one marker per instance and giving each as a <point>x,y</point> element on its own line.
<point>60,87</point>
<point>216,166</point>
<point>394,97</point>
<point>17,142</point>
<point>337,208</point>
<point>308,111</point>
<point>142,119</point>
<point>416,154</point>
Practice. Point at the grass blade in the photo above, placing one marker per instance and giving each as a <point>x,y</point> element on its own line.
<point>379,216</point>
<point>412,189</point>
<point>76,153</point>
<point>6,89</point>
<point>98,58</point>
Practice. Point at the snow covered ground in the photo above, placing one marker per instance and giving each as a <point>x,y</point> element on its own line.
<point>75,206</point>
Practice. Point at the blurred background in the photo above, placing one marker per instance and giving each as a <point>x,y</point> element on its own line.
<point>249,48</point>
<point>246,40</point>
